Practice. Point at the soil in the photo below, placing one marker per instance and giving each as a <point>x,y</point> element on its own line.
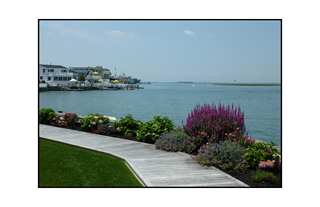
<point>245,177</point>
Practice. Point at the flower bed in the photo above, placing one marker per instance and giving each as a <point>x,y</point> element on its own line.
<point>225,146</point>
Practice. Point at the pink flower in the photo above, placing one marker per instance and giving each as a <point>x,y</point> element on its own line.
<point>138,123</point>
<point>100,121</point>
<point>102,117</point>
<point>94,123</point>
<point>202,132</point>
<point>96,117</point>
<point>118,128</point>
<point>226,134</point>
<point>230,134</point>
<point>237,128</point>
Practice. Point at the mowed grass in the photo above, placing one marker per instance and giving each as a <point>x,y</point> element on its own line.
<point>244,84</point>
<point>62,165</point>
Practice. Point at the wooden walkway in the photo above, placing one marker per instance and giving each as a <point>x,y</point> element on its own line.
<point>153,167</point>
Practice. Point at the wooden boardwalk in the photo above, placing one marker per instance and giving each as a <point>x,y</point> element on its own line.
<point>153,167</point>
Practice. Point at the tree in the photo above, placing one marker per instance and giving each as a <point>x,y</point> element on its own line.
<point>81,78</point>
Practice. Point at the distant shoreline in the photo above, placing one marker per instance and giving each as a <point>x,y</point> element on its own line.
<point>245,84</point>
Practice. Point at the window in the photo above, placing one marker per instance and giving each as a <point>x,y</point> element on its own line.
<point>55,78</point>
<point>63,71</point>
<point>49,78</point>
<point>69,78</point>
<point>41,77</point>
<point>51,70</point>
<point>44,71</point>
<point>60,78</point>
<point>65,78</point>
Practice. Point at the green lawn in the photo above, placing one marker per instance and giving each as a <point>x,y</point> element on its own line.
<point>62,165</point>
<point>244,84</point>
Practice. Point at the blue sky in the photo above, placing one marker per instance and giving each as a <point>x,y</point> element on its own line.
<point>168,51</point>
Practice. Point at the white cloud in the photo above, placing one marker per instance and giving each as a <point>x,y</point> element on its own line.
<point>62,31</point>
<point>50,34</point>
<point>211,35</point>
<point>118,33</point>
<point>188,32</point>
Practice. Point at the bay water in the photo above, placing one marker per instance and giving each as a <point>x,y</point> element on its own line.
<point>261,104</point>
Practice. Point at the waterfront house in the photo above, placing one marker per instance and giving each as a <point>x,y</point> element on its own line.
<point>55,75</point>
<point>88,73</point>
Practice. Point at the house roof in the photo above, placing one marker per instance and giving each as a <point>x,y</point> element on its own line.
<point>88,67</point>
<point>79,71</point>
<point>53,66</point>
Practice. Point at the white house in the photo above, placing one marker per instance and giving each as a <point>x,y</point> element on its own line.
<point>55,74</point>
<point>90,73</point>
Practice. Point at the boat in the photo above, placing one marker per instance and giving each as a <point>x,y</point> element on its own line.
<point>194,85</point>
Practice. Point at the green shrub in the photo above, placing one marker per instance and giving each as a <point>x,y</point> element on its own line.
<point>70,119</point>
<point>175,141</point>
<point>151,130</point>
<point>261,151</point>
<point>46,115</point>
<point>127,125</point>
<point>260,175</point>
<point>225,155</point>
<point>91,122</point>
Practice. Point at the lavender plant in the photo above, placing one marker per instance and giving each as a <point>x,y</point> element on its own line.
<point>225,155</point>
<point>175,141</point>
<point>215,121</point>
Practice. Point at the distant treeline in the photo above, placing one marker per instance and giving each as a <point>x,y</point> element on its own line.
<point>245,84</point>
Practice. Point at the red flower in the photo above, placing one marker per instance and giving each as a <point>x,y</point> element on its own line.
<point>67,114</point>
<point>95,131</point>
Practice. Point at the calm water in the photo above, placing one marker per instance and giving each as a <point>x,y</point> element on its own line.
<point>261,104</point>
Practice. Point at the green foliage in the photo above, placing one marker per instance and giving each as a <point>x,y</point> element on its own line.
<point>90,122</point>
<point>260,175</point>
<point>127,125</point>
<point>151,130</point>
<point>70,119</point>
<point>81,78</point>
<point>261,151</point>
<point>46,115</point>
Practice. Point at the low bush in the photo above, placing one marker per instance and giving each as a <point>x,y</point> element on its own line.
<point>46,115</point>
<point>151,130</point>
<point>175,141</point>
<point>225,155</point>
<point>105,129</point>
<point>70,119</point>
<point>244,141</point>
<point>215,122</point>
<point>91,122</point>
<point>261,151</point>
<point>260,175</point>
<point>127,125</point>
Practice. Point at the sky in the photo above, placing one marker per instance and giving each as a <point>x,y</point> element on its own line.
<point>245,51</point>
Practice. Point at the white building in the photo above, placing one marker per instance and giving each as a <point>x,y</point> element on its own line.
<point>90,73</point>
<point>55,74</point>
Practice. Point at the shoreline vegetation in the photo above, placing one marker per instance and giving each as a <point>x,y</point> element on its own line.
<point>213,136</point>
<point>245,84</point>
